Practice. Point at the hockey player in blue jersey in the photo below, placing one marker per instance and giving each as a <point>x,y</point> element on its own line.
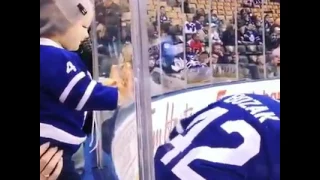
<point>235,138</point>
<point>67,90</point>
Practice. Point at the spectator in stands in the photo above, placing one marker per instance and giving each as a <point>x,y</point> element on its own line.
<point>251,36</point>
<point>195,44</point>
<point>272,65</point>
<point>267,23</point>
<point>204,59</point>
<point>190,26</point>
<point>190,54</point>
<point>201,12</point>
<point>109,16</point>
<point>163,17</point>
<point>259,28</point>
<point>252,3</point>
<point>272,33</point>
<point>222,28</point>
<point>232,59</point>
<point>217,50</point>
<point>50,162</point>
<point>214,59</point>
<point>215,67</point>
<point>186,8</point>
<point>199,22</point>
<point>244,17</point>
<point>247,3</point>
<point>214,19</point>
<point>192,63</point>
<point>215,35</point>
<point>256,60</point>
<point>228,36</point>
<point>273,40</point>
<point>276,27</point>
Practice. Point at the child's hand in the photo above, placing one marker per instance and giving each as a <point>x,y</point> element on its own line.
<point>121,77</point>
<point>109,82</point>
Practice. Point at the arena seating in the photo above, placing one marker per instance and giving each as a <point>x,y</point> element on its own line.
<point>253,55</point>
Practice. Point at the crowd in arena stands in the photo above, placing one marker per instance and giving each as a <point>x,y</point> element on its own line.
<point>209,41</point>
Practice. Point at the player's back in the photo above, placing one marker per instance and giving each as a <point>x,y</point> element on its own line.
<point>235,138</point>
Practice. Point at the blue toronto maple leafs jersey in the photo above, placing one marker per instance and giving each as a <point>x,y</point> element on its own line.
<point>67,91</point>
<point>235,138</point>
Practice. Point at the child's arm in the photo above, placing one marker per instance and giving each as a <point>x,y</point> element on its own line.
<point>75,88</point>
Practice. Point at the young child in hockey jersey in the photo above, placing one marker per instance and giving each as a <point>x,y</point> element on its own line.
<point>67,90</point>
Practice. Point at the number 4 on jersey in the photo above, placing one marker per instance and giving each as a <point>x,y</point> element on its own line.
<point>71,67</point>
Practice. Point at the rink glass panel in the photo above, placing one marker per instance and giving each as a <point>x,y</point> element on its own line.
<point>113,62</point>
<point>240,41</point>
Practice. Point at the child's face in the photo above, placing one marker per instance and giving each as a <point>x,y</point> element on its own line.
<point>72,39</point>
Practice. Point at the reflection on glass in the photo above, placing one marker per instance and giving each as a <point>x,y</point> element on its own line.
<point>223,47</point>
<point>271,20</point>
<point>114,56</point>
<point>230,37</point>
<point>249,41</point>
<point>114,48</point>
<point>191,43</point>
<point>166,53</point>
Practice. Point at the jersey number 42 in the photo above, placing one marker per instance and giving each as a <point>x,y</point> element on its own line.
<point>232,156</point>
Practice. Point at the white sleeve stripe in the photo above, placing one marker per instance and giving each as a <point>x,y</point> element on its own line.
<point>70,86</point>
<point>52,132</point>
<point>86,95</point>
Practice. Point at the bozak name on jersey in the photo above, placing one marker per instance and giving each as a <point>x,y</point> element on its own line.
<point>235,138</point>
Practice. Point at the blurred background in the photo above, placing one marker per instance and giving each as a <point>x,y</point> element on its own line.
<point>194,42</point>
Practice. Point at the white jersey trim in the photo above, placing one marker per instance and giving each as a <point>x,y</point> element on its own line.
<point>49,131</point>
